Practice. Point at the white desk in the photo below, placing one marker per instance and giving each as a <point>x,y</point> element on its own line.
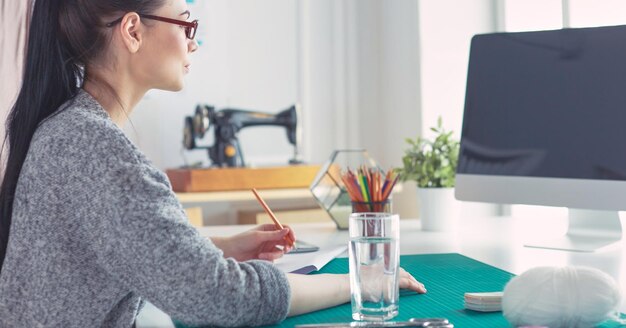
<point>497,241</point>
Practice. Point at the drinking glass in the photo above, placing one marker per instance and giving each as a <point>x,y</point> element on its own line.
<point>374,265</point>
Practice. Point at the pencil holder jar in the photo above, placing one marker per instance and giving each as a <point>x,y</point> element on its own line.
<point>330,191</point>
<point>372,207</point>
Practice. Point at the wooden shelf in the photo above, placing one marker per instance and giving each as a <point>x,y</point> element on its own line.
<point>228,179</point>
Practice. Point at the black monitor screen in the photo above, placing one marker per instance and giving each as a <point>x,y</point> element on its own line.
<point>547,104</point>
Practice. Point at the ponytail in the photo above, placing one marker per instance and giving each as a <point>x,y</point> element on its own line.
<point>65,36</point>
<point>51,77</point>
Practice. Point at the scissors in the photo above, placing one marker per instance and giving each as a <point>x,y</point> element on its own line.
<point>413,322</point>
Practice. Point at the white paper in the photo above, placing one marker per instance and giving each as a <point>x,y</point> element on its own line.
<point>308,262</point>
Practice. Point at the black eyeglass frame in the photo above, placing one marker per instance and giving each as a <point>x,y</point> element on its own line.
<point>190,27</point>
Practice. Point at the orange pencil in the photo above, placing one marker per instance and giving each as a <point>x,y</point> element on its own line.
<point>346,183</point>
<point>353,190</point>
<point>271,214</point>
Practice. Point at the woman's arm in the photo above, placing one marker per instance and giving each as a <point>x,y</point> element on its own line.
<point>315,292</point>
<point>306,294</point>
<point>144,242</point>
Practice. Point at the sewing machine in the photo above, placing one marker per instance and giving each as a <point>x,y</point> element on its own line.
<point>226,123</point>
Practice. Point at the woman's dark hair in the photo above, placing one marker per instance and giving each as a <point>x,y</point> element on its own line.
<point>65,36</point>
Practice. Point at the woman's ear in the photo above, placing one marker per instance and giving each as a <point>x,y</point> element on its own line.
<point>131,31</point>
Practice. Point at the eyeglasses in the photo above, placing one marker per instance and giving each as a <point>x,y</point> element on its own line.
<point>190,27</point>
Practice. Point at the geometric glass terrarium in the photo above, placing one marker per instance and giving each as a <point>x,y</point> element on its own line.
<point>329,190</point>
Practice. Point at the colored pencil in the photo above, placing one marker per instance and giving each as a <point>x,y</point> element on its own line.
<point>369,185</point>
<point>272,216</point>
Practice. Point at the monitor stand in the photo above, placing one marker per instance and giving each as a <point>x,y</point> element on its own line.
<point>588,231</point>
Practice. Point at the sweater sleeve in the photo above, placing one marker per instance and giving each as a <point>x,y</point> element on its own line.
<point>146,243</point>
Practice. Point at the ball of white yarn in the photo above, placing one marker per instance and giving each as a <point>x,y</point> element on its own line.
<point>566,297</point>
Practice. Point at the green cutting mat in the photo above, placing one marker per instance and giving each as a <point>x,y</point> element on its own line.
<point>446,276</point>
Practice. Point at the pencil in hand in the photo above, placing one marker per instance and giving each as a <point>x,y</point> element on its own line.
<point>273,217</point>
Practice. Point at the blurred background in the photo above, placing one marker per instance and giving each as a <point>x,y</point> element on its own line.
<point>366,73</point>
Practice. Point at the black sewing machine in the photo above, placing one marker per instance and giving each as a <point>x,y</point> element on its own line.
<point>226,123</point>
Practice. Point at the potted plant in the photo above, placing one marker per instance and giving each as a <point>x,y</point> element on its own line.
<point>432,165</point>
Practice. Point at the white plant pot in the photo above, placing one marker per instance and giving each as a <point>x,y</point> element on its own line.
<point>438,209</point>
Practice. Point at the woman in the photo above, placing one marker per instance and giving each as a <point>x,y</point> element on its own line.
<point>88,226</point>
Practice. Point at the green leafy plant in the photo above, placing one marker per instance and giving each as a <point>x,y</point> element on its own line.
<point>432,164</point>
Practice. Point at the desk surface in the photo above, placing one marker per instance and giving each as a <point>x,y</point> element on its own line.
<point>497,241</point>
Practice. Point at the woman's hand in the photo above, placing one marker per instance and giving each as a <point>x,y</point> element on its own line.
<point>307,296</point>
<point>263,242</point>
<point>372,284</point>
<point>407,281</point>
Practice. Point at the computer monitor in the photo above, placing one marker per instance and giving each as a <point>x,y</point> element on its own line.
<point>545,124</point>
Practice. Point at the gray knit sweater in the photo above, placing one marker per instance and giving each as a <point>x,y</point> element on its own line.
<point>96,228</point>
